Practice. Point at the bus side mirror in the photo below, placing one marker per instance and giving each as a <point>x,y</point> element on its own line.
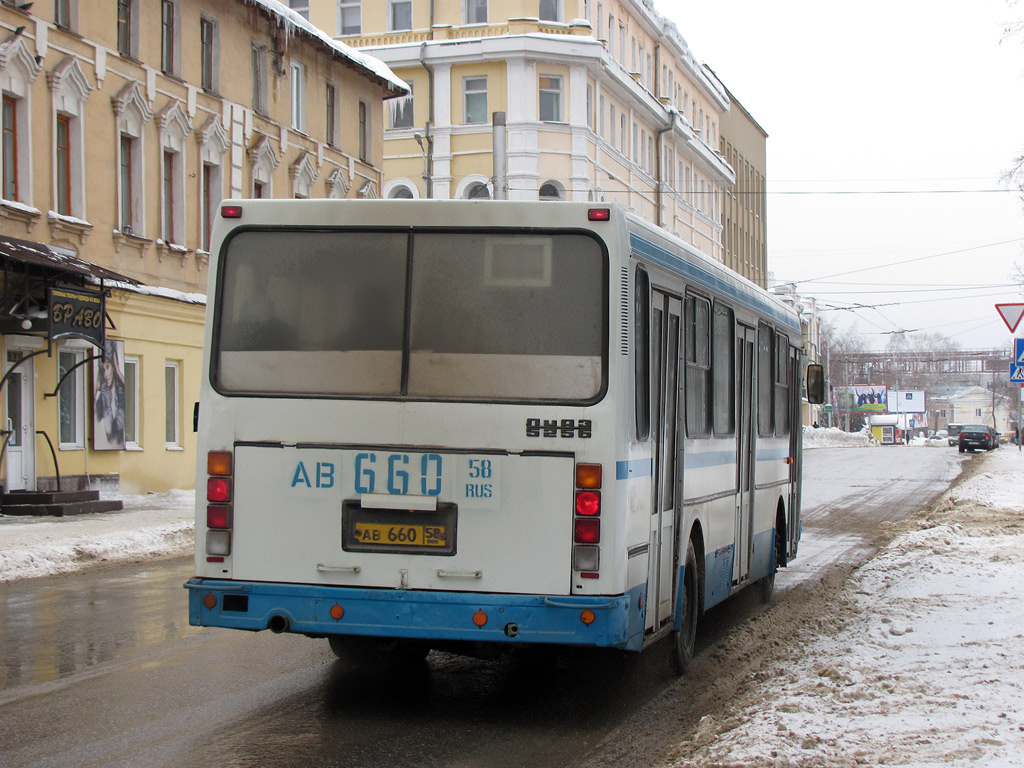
<point>815,384</point>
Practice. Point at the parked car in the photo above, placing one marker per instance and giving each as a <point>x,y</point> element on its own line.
<point>978,437</point>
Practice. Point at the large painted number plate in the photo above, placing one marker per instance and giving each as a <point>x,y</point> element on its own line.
<point>426,532</point>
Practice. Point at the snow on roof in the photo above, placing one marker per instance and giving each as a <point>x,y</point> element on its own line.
<point>291,19</point>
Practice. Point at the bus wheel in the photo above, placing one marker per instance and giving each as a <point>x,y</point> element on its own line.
<point>685,638</point>
<point>767,583</point>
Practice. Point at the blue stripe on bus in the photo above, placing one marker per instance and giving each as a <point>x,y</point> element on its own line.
<point>422,614</point>
<point>708,459</point>
<point>625,470</point>
<point>709,280</point>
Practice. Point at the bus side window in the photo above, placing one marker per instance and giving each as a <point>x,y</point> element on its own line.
<point>782,374</point>
<point>723,367</point>
<point>698,367</point>
<point>765,382</point>
<point>642,352</point>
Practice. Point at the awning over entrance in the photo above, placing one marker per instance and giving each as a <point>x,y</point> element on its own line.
<point>52,258</point>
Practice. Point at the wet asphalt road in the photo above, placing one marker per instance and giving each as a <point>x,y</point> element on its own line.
<point>102,668</point>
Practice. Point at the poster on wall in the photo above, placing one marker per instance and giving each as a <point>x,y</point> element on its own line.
<point>108,398</point>
<point>861,399</point>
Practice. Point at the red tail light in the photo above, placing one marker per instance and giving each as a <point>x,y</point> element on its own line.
<point>588,503</point>
<point>218,516</point>
<point>218,489</point>
<point>587,530</point>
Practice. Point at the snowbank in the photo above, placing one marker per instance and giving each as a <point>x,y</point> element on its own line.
<point>921,663</point>
<point>833,437</point>
<point>151,526</point>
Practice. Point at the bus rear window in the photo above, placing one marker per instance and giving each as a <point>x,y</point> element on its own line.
<point>428,315</point>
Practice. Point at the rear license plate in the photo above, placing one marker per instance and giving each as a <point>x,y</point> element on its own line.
<point>429,532</point>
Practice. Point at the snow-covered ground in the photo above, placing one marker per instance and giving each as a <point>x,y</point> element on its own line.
<point>155,525</point>
<point>919,663</point>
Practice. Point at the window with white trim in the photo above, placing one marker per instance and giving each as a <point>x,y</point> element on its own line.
<point>298,86</point>
<point>350,17</point>
<point>71,399</point>
<point>549,10</point>
<point>259,78</point>
<point>171,410</point>
<point>131,402</point>
<point>70,88</point>
<point>475,11</point>
<point>128,28</point>
<point>170,38</point>
<point>551,98</point>
<point>401,110</point>
<point>399,15</point>
<point>209,53</point>
<point>474,99</point>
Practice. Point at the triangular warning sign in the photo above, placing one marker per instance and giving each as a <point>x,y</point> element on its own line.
<point>1011,314</point>
<point>1017,374</point>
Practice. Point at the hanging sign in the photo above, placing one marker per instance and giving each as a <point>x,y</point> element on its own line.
<point>76,314</point>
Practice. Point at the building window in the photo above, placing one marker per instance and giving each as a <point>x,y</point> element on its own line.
<point>62,13</point>
<point>127,163</point>
<point>331,106</point>
<point>259,78</point>
<point>168,197</point>
<point>550,98</point>
<point>63,165</point>
<point>301,7</point>
<point>209,55</point>
<point>211,196</point>
<point>167,37</point>
<point>70,399</point>
<point>131,402</point>
<point>349,17</point>
<point>171,403</point>
<point>550,191</point>
<point>298,84</point>
<point>591,122</point>
<point>127,27</point>
<point>257,190</point>
<point>10,157</point>
<point>623,134</point>
<point>401,110</point>
<point>478,192</point>
<point>401,193</point>
<point>364,132</point>
<point>475,11</point>
<point>549,10</point>
<point>399,15</point>
<point>474,98</point>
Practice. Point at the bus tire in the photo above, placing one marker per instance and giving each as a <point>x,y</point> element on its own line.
<point>684,639</point>
<point>767,583</point>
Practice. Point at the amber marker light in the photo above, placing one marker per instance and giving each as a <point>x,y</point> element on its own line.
<point>210,600</point>
<point>218,463</point>
<point>588,617</point>
<point>479,618</point>
<point>337,612</point>
<point>588,476</point>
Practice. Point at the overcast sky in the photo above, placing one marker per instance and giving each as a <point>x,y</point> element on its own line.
<point>882,98</point>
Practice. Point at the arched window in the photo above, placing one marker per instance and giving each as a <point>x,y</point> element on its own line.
<point>478,192</point>
<point>401,193</point>
<point>550,191</point>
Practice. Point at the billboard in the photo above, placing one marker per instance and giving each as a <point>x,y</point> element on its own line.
<point>861,399</point>
<point>907,401</point>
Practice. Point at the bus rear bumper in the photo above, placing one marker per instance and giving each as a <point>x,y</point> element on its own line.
<point>597,621</point>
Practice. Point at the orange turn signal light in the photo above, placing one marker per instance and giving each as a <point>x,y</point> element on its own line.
<point>588,476</point>
<point>218,463</point>
<point>588,617</point>
<point>337,612</point>
<point>210,600</point>
<point>479,618</point>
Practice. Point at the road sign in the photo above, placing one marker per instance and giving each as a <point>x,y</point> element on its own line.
<point>1011,314</point>
<point>1017,374</point>
<point>827,409</point>
<point>1018,351</point>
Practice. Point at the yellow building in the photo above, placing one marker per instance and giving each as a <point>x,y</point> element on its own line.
<point>603,100</point>
<point>125,123</point>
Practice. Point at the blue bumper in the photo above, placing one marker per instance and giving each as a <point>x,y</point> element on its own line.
<point>617,622</point>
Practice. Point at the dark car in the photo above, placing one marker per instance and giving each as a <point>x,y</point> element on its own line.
<point>978,436</point>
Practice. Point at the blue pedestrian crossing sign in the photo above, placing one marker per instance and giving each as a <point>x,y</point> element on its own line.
<point>1017,366</point>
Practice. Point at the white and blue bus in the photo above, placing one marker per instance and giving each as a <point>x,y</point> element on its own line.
<point>480,425</point>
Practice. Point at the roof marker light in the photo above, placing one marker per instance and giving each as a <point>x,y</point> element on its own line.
<point>599,214</point>
<point>231,211</point>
